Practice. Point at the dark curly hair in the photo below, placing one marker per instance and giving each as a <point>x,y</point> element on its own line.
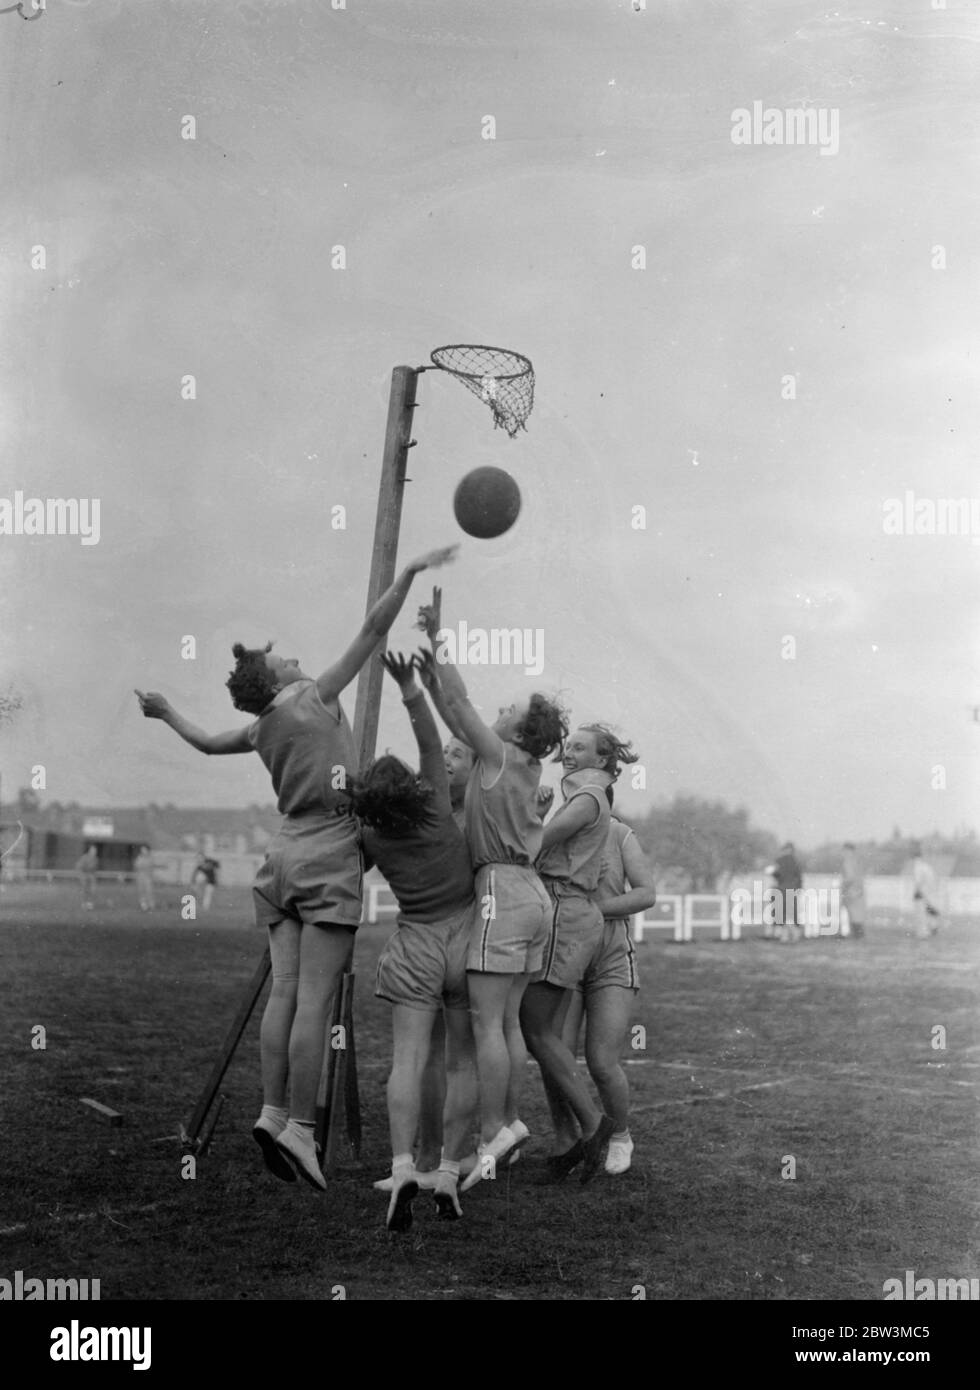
<point>544,728</point>
<point>390,797</point>
<point>611,749</point>
<point>251,683</point>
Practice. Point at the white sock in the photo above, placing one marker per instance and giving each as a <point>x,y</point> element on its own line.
<point>621,1137</point>
<point>277,1113</point>
<point>449,1165</point>
<point>303,1129</point>
<point>402,1161</point>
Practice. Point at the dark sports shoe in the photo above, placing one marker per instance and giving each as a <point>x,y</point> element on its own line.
<point>595,1149</point>
<point>265,1135</point>
<point>400,1206</point>
<point>446,1200</point>
<point>558,1166</point>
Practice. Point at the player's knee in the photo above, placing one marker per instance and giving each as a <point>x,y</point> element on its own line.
<point>603,1067</point>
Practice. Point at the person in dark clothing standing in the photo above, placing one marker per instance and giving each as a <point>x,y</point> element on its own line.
<point>789,880</point>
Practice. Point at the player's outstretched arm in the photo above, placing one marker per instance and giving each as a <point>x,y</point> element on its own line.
<point>464,721</point>
<point>642,884</point>
<point>432,763</point>
<point>429,676</point>
<point>154,706</point>
<point>377,624</point>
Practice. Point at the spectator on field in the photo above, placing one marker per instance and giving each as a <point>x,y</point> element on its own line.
<point>852,890</point>
<point>205,878</point>
<point>789,881</point>
<point>86,868</point>
<point>925,894</point>
<point>143,864</point>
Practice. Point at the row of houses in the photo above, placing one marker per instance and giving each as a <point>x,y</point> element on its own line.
<point>36,840</point>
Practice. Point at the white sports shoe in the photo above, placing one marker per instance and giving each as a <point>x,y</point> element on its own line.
<point>619,1155</point>
<point>499,1149</point>
<point>425,1180</point>
<point>303,1156</point>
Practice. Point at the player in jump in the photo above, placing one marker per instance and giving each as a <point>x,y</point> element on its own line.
<point>410,833</point>
<point>308,891</point>
<point>512,908</point>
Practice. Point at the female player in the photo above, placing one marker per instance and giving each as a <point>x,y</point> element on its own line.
<point>459,764</point>
<point>569,865</point>
<point>409,832</point>
<point>608,989</point>
<point>512,908</point>
<point>308,891</point>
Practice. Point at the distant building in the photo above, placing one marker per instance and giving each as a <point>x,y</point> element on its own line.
<point>55,835</point>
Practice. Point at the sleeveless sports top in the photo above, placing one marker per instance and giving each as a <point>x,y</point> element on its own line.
<point>576,862</point>
<point>501,824</point>
<point>305,746</point>
<point>612,875</point>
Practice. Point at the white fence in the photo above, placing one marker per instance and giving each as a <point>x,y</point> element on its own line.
<point>686,916</point>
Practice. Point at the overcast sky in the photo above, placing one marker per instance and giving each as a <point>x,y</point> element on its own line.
<point>661,388</point>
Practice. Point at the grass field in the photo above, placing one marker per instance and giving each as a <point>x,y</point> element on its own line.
<point>755,1052</point>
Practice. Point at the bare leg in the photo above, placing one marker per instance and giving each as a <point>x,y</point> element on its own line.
<point>324,952</point>
<point>433,1099</point>
<point>607,1021</point>
<point>538,1014</point>
<point>562,1117</point>
<point>462,1092</point>
<point>488,1003</point>
<point>277,1021</point>
<point>412,1029</point>
<point>515,1046</point>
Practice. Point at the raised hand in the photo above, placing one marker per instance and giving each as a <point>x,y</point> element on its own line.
<point>430,615</point>
<point>399,667</point>
<point>543,799</point>
<point>153,706</point>
<point>434,559</point>
<point>426,668</point>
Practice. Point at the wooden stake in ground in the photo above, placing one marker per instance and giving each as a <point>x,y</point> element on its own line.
<point>192,1134</point>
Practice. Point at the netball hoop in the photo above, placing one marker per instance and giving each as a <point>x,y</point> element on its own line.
<point>502,379</point>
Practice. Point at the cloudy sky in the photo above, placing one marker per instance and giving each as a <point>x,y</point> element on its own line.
<point>663,388</point>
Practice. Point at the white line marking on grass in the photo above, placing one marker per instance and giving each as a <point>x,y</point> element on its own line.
<point>719,1095</point>
<point>84,1216</point>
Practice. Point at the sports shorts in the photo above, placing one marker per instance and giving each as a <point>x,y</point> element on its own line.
<point>574,933</point>
<point>613,960</point>
<point>510,926</point>
<point>424,964</point>
<point>312,872</point>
